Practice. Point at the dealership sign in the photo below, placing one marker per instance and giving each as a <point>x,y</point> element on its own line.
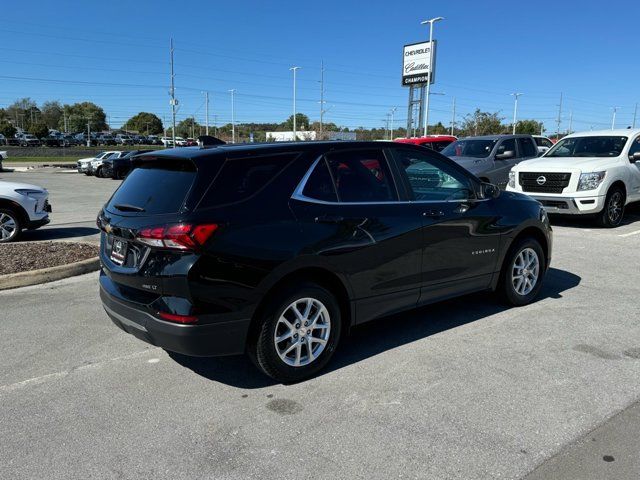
<point>416,63</point>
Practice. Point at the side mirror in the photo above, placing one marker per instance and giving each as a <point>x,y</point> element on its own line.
<point>489,190</point>
<point>635,157</point>
<point>505,155</point>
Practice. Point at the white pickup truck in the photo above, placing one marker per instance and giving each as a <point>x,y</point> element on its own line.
<point>595,173</point>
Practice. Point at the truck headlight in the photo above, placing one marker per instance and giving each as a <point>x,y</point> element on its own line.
<point>512,179</point>
<point>590,181</point>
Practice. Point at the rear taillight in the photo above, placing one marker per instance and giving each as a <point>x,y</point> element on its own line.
<point>172,317</point>
<point>182,236</point>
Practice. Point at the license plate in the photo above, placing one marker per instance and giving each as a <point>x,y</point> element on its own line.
<point>118,251</point>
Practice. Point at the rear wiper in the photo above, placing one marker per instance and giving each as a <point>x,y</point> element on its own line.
<point>128,208</point>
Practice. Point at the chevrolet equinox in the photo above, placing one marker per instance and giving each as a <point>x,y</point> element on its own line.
<point>277,250</point>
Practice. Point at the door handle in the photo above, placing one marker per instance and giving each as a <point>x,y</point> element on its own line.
<point>329,219</point>
<point>433,213</point>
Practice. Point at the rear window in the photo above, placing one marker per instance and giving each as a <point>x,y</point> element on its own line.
<point>157,189</point>
<point>240,179</point>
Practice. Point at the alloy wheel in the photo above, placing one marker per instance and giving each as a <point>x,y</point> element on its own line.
<point>302,332</point>
<point>525,271</point>
<point>8,226</point>
<point>614,208</point>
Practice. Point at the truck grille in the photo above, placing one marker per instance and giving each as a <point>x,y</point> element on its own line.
<point>544,182</point>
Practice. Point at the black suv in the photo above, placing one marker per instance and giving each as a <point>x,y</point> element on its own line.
<point>276,250</point>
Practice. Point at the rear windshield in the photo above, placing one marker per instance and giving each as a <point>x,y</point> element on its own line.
<point>470,148</point>
<point>154,189</point>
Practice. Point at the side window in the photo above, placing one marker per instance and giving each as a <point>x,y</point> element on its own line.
<point>527,147</point>
<point>362,176</point>
<point>508,145</point>
<point>439,146</point>
<point>241,178</point>
<point>432,179</point>
<point>635,146</point>
<point>320,185</point>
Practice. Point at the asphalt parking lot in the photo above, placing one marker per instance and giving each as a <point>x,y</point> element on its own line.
<point>463,389</point>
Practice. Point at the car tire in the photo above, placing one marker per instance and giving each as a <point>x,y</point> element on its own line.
<point>281,339</point>
<point>10,225</point>
<point>99,172</point>
<point>522,272</point>
<point>613,212</point>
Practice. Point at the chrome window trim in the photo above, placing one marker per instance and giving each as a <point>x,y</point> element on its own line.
<point>298,195</point>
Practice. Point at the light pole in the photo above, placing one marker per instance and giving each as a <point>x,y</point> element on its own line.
<point>515,109</point>
<point>206,113</point>
<point>233,116</point>
<point>294,70</point>
<point>453,115</point>
<point>613,120</point>
<point>426,113</point>
<point>393,111</point>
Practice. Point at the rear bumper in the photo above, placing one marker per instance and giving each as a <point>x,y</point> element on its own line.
<point>205,340</point>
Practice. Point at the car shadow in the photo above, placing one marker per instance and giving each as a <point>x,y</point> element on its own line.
<point>58,233</point>
<point>381,335</point>
<point>631,217</point>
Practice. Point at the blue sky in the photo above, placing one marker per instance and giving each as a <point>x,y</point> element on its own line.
<point>116,54</point>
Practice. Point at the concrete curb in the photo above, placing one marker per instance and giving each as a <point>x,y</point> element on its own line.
<point>44,275</point>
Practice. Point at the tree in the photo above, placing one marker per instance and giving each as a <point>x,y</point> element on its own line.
<point>23,112</point>
<point>188,128</point>
<point>482,123</point>
<point>39,129</point>
<point>79,114</point>
<point>52,115</point>
<point>7,129</point>
<point>146,123</point>
<point>302,122</point>
<point>438,129</point>
<point>529,126</point>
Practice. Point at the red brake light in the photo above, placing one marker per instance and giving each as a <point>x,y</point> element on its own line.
<point>182,236</point>
<point>172,317</point>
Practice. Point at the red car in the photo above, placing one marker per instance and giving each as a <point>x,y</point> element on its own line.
<point>434,142</point>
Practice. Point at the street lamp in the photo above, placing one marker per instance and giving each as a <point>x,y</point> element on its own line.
<point>613,120</point>
<point>294,70</point>
<point>233,116</point>
<point>430,22</point>
<point>515,109</point>
<point>393,110</point>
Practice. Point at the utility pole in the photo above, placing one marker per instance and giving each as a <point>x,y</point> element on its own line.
<point>206,113</point>
<point>294,70</point>
<point>147,128</point>
<point>559,119</point>
<point>393,111</point>
<point>321,96</point>
<point>426,116</point>
<point>233,116</point>
<point>173,100</point>
<point>570,121</point>
<point>515,110</point>
<point>88,133</point>
<point>635,112</point>
<point>453,115</point>
<point>613,120</point>
<point>64,115</point>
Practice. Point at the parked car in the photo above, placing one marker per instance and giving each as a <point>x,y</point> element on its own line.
<point>123,139</point>
<point>106,139</point>
<point>118,167</point>
<point>190,142</point>
<point>543,143</point>
<point>3,155</point>
<point>3,140</point>
<point>587,173</point>
<point>434,142</point>
<point>96,165</point>
<point>28,140</point>
<point>51,141</point>
<point>68,141</point>
<point>491,157</point>
<point>181,142</point>
<point>22,207</point>
<point>167,141</point>
<point>154,140</point>
<point>277,250</point>
<point>84,164</point>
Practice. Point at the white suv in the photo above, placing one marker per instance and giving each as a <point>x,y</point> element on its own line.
<point>585,173</point>
<point>22,207</point>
